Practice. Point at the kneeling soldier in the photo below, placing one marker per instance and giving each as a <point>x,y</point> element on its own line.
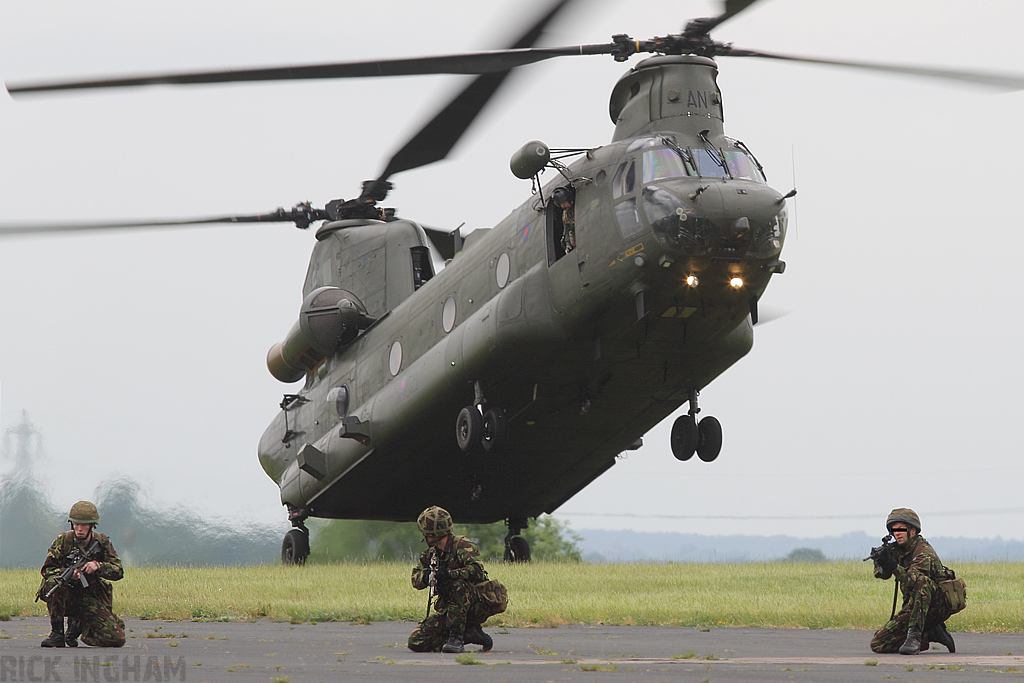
<point>451,568</point>
<point>76,576</point>
<point>918,572</point>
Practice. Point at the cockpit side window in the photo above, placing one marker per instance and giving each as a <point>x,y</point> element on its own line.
<point>624,181</point>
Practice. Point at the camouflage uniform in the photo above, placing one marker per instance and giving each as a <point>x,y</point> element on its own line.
<point>92,606</point>
<point>918,571</point>
<point>569,228</point>
<point>458,605</point>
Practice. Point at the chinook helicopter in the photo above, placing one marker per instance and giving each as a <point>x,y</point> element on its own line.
<point>552,344</point>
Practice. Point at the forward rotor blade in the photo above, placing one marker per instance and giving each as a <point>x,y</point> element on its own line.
<point>437,138</point>
<point>471,63</point>
<point>1007,82</point>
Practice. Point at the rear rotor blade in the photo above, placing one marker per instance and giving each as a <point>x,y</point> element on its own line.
<point>302,215</point>
<point>1008,82</point>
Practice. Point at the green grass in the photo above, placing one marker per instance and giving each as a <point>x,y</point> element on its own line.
<point>839,595</point>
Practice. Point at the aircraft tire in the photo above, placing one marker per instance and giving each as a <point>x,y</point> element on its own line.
<point>295,548</point>
<point>517,549</point>
<point>469,428</point>
<point>684,437</point>
<point>495,430</point>
<point>709,439</point>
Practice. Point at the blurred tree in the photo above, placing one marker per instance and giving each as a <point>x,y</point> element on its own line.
<point>344,539</point>
<point>356,539</point>
<point>805,555</point>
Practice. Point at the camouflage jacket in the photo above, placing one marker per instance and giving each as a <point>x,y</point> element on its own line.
<point>461,559</point>
<point>917,563</point>
<point>57,559</point>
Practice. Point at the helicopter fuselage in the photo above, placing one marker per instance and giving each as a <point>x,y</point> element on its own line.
<point>584,349</point>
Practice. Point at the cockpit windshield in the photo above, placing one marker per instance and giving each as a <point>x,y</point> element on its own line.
<point>709,163</point>
<point>665,163</point>
<point>742,166</point>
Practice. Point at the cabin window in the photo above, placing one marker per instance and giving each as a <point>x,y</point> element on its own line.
<point>448,314</point>
<point>395,358</point>
<point>422,268</point>
<point>502,270</point>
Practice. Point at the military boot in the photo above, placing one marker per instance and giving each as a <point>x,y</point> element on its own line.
<point>74,630</point>
<point>56,638</point>
<point>475,635</point>
<point>454,644</point>
<point>912,645</point>
<point>940,635</point>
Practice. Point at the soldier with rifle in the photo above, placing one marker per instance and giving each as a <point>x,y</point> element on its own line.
<point>931,591</point>
<point>76,576</point>
<point>460,593</point>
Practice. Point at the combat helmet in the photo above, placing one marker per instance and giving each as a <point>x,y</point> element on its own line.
<point>561,194</point>
<point>905,515</point>
<point>435,521</point>
<point>84,512</point>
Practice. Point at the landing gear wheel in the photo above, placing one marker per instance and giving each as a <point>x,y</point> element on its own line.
<point>517,549</point>
<point>495,430</point>
<point>684,437</point>
<point>709,439</point>
<point>469,427</point>
<point>295,548</point>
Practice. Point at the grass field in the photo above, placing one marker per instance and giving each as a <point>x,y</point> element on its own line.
<point>839,595</point>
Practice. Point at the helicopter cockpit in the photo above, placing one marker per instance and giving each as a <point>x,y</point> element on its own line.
<point>647,186</point>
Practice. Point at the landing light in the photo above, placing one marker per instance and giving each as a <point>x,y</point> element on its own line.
<point>736,282</point>
<point>692,281</point>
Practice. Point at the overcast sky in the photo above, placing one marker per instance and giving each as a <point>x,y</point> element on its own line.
<point>894,379</point>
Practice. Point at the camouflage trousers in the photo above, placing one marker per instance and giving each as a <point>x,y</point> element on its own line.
<point>93,607</point>
<point>458,607</point>
<point>924,607</point>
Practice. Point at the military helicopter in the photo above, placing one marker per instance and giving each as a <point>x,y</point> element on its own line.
<point>556,348</point>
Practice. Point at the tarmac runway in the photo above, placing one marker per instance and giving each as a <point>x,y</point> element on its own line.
<point>279,652</point>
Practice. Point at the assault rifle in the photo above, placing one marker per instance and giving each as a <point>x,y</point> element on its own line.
<point>885,554</point>
<point>432,579</point>
<point>885,557</point>
<point>78,560</point>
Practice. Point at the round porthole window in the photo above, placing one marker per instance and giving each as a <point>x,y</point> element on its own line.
<point>395,360</point>
<point>337,402</point>
<point>501,272</point>
<point>448,314</point>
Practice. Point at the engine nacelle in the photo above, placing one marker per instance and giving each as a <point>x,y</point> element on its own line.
<point>329,319</point>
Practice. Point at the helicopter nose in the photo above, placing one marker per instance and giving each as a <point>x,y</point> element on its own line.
<point>735,209</point>
<point>732,220</point>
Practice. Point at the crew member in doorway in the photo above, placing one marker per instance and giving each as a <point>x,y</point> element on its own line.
<point>564,198</point>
